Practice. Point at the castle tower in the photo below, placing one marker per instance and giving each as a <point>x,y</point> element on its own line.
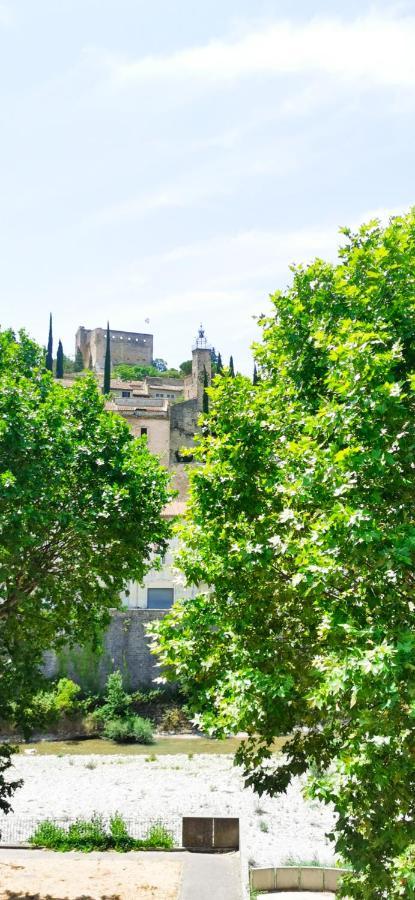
<point>201,363</point>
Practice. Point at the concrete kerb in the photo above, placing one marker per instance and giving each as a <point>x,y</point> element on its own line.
<point>295,878</point>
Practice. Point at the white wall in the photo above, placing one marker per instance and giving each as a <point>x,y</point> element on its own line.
<point>163,578</point>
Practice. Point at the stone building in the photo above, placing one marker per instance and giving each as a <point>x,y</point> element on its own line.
<point>165,411</point>
<point>129,347</point>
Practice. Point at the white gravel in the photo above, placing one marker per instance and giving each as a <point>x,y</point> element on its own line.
<point>272,828</point>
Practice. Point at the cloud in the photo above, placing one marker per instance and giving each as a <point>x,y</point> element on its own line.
<point>378,48</point>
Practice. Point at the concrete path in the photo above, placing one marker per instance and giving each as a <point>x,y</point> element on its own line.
<point>208,876</point>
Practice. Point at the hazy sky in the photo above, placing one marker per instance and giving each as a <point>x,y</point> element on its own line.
<point>168,160</point>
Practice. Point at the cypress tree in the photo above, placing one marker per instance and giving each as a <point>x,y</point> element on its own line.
<point>255,378</point>
<point>219,365</point>
<point>205,402</point>
<point>107,364</point>
<point>79,361</point>
<point>90,364</point>
<point>49,353</point>
<point>59,361</point>
<point>231,368</point>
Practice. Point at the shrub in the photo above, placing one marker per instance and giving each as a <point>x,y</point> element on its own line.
<point>117,703</point>
<point>132,729</point>
<point>66,697</point>
<point>159,836</point>
<point>92,834</point>
<point>173,719</point>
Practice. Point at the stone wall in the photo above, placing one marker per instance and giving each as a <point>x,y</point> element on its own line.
<point>129,347</point>
<point>183,426</point>
<point>126,647</point>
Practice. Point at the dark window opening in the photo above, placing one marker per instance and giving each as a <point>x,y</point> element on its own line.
<point>125,393</point>
<point>144,432</point>
<point>160,598</point>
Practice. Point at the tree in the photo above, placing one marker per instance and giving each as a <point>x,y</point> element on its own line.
<point>79,361</point>
<point>59,361</point>
<point>255,378</point>
<point>205,400</point>
<point>49,352</point>
<point>80,513</point>
<point>301,524</point>
<point>231,368</point>
<point>107,364</point>
<point>219,365</point>
<point>160,365</point>
<point>90,363</point>
<point>127,372</point>
<point>186,367</point>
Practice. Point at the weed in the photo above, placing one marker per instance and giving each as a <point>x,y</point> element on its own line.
<point>151,758</point>
<point>291,860</point>
<point>92,834</point>
<point>90,765</point>
<point>259,811</point>
<point>263,825</point>
<point>190,755</point>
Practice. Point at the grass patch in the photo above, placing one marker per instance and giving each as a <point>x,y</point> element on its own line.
<point>94,834</point>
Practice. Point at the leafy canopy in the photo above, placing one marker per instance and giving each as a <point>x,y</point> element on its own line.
<point>127,372</point>
<point>301,525</point>
<point>80,515</point>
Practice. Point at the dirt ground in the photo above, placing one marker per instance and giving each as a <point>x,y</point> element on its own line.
<point>43,875</point>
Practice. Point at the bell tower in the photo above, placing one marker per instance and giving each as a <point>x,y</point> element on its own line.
<point>201,363</point>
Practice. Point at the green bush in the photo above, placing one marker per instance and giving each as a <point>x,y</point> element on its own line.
<point>132,729</point>
<point>117,703</point>
<point>67,694</point>
<point>91,834</point>
<point>174,719</point>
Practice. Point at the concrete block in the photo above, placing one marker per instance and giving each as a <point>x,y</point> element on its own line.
<point>197,833</point>
<point>262,879</point>
<point>332,879</point>
<point>311,878</point>
<point>288,878</point>
<point>226,834</point>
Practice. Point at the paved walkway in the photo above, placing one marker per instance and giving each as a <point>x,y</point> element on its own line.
<point>208,876</point>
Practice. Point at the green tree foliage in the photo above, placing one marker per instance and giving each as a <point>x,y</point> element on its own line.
<point>126,372</point>
<point>59,361</point>
<point>107,363</point>
<point>219,365</point>
<point>301,524</point>
<point>160,364</point>
<point>186,367</point>
<point>255,378</point>
<point>49,352</point>
<point>231,368</point>
<point>80,515</point>
<point>205,400</point>
<point>79,361</point>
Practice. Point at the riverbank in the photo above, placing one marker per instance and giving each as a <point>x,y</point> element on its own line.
<point>145,786</point>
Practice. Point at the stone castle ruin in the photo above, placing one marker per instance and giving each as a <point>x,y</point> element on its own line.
<point>130,347</point>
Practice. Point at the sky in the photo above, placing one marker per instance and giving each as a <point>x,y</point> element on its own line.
<point>169,161</point>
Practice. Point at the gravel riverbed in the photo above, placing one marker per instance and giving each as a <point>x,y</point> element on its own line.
<point>273,829</point>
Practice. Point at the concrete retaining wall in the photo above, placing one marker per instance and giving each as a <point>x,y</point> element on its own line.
<point>296,878</point>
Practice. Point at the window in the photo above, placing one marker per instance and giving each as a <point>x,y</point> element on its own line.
<point>144,432</point>
<point>125,393</point>
<point>160,598</point>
